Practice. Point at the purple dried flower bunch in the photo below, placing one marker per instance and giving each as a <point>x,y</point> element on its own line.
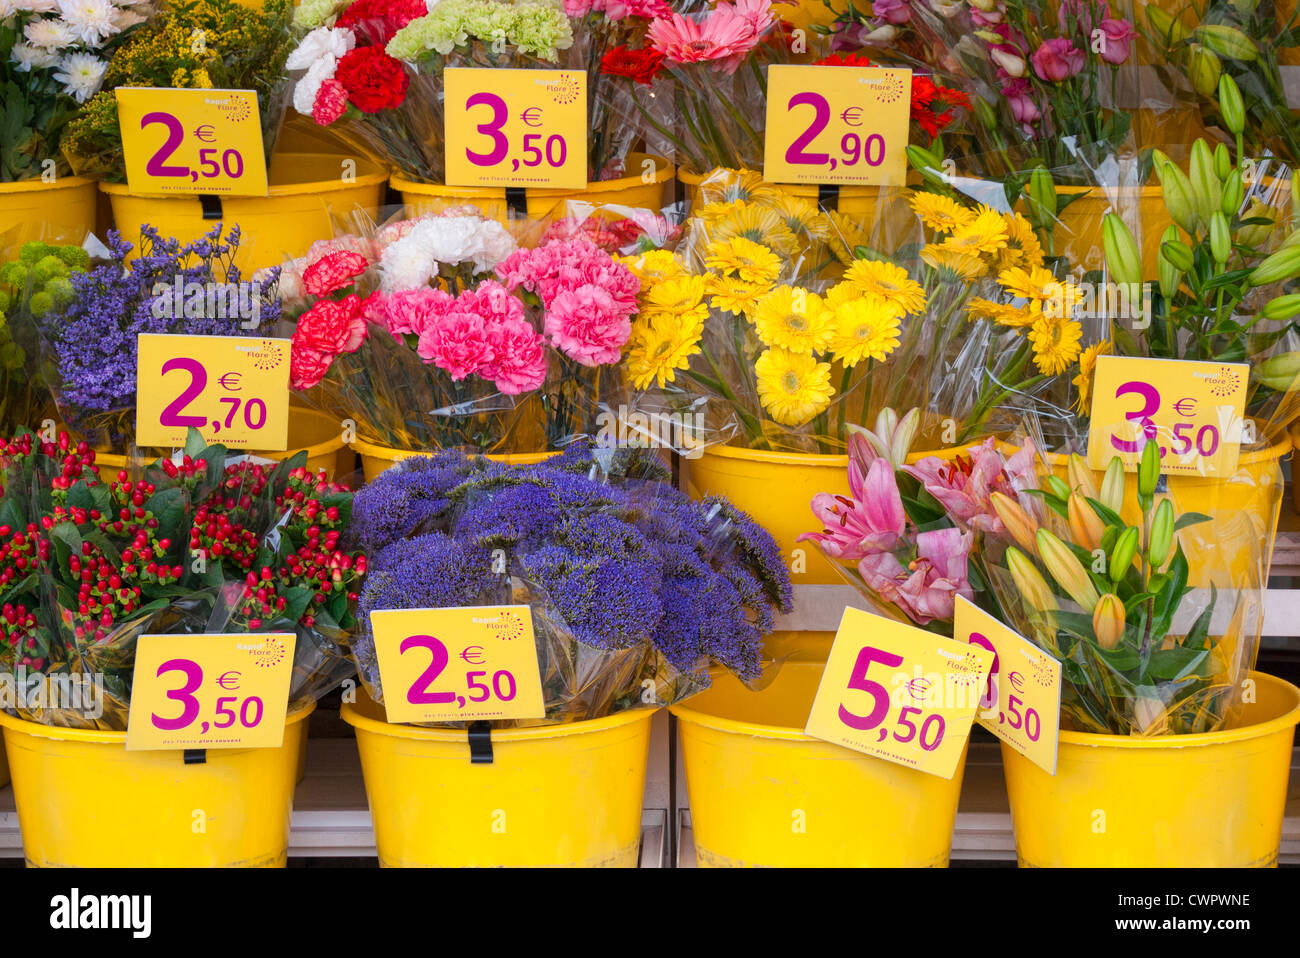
<point>169,287</point>
<point>620,560</point>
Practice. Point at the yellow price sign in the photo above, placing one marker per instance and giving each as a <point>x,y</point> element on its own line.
<point>1192,409</point>
<point>191,141</point>
<point>899,693</point>
<point>233,389</point>
<point>210,691</point>
<point>459,664</point>
<point>1021,704</point>
<point>524,128</point>
<point>837,125</point>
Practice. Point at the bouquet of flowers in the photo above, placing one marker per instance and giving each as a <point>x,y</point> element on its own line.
<point>1142,652</point>
<point>200,543</point>
<point>464,332</point>
<point>196,44</point>
<point>379,66</point>
<point>53,57</point>
<point>30,287</point>
<point>169,287</point>
<point>912,526</point>
<point>628,580</point>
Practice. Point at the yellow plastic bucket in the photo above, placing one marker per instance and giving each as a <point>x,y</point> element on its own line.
<point>636,190</point>
<point>554,795</point>
<point>860,202</point>
<point>376,458</point>
<point>85,801</point>
<point>306,190</point>
<point>763,793</point>
<point>1175,801</point>
<point>309,429</point>
<point>4,765</point>
<point>60,212</point>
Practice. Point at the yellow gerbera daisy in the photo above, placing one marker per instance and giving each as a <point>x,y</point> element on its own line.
<point>847,235</point>
<point>863,328</point>
<point>1056,343</point>
<point>792,318</point>
<point>986,233</point>
<point>953,267</point>
<point>658,348</point>
<point>710,213</point>
<point>1004,314</point>
<point>682,298</point>
<point>793,387</point>
<point>731,186</point>
<point>653,265</point>
<point>891,283</point>
<point>941,213</point>
<point>1087,366</point>
<point>733,296</point>
<point>803,218</point>
<point>743,259</point>
<point>1034,283</point>
<point>759,224</point>
<point>1023,248</point>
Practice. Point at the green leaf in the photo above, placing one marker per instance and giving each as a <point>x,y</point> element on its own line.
<point>1107,515</point>
<point>1176,663</point>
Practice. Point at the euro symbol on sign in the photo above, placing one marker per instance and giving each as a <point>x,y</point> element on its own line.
<point>233,385</point>
<point>852,116</point>
<point>473,655</point>
<point>1190,409</point>
<point>230,677</point>
<point>1017,681</point>
<point>532,116</point>
<point>205,133</point>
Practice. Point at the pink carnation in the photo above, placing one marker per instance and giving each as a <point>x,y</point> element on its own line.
<point>493,302</point>
<point>518,357</point>
<point>307,366</point>
<point>331,102</point>
<point>414,310</point>
<point>457,344</point>
<point>332,326</point>
<point>586,325</point>
<point>332,272</point>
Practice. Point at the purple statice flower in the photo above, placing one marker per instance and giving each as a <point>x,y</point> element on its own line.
<point>92,340</point>
<point>755,548</point>
<point>411,498</point>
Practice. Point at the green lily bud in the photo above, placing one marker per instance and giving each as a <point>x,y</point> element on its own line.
<point>1220,237</point>
<point>1177,189</point>
<point>1057,487</point>
<point>1256,236</point>
<point>1169,275</point>
<point>1041,199</point>
<point>1121,557</point>
<point>1233,191</point>
<point>1207,191</point>
<point>1278,372</point>
<point>984,110</point>
<point>1162,534</point>
<point>1148,470</point>
<point>1222,161</point>
<point>1108,620</point>
<point>1204,69</point>
<point>923,161</point>
<point>1281,307</point>
<point>1230,106</point>
<point>1121,251</point>
<point>1295,196</point>
<point>1032,587</point>
<point>1112,486</point>
<point>1226,41</point>
<point>1284,264</point>
<point>1178,253</point>
<point>1067,570</point>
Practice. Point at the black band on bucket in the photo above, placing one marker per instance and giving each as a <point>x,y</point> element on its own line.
<point>517,202</point>
<point>196,756</point>
<point>828,196</point>
<point>480,743</point>
<point>211,204</point>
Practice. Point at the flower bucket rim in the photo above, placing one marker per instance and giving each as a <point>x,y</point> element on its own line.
<point>36,185</point>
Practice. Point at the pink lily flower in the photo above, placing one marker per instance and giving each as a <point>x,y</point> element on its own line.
<point>927,587</point>
<point>963,485</point>
<point>870,520</point>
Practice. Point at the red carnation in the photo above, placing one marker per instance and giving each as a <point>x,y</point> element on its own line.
<point>374,80</point>
<point>639,65</point>
<point>844,60</point>
<point>332,272</point>
<point>375,21</point>
<point>307,366</point>
<point>332,326</point>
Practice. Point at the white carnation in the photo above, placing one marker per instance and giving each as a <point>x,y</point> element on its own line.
<point>50,34</point>
<point>304,94</point>
<point>81,74</point>
<point>29,58</point>
<point>330,42</point>
<point>411,261</point>
<point>92,21</point>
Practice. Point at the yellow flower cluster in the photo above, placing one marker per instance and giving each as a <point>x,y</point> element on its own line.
<point>972,243</point>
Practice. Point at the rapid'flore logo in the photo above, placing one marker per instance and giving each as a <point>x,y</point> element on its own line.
<point>78,911</point>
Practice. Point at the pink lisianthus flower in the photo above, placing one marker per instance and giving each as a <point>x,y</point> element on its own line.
<point>456,343</point>
<point>518,357</point>
<point>1057,60</point>
<point>331,102</point>
<point>892,11</point>
<point>964,484</point>
<point>1116,40</point>
<point>926,588</point>
<point>587,325</point>
<point>1023,108</point>
<point>871,519</point>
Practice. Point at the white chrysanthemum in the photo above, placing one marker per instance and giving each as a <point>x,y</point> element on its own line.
<point>304,94</point>
<point>9,7</point>
<point>322,42</point>
<point>411,261</point>
<point>92,21</point>
<point>29,58</point>
<point>50,34</point>
<point>81,74</point>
